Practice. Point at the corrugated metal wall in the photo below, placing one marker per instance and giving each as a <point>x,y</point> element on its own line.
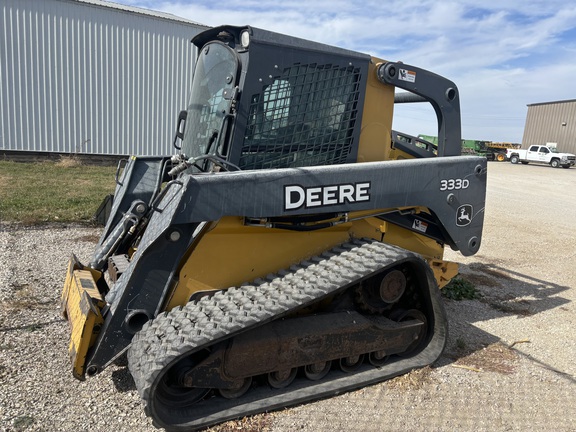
<point>77,76</point>
<point>551,122</point>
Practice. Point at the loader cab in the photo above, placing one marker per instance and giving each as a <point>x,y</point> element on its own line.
<point>262,100</point>
<point>260,107</point>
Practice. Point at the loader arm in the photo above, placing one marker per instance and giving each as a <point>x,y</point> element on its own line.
<point>195,200</point>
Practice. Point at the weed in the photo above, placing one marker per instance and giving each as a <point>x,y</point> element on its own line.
<point>34,327</point>
<point>460,344</point>
<point>460,289</point>
<point>23,422</point>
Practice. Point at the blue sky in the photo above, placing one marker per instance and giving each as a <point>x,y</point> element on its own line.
<point>502,54</point>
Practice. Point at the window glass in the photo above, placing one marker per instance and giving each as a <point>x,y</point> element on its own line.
<point>214,77</point>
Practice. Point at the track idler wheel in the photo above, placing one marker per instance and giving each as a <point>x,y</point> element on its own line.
<point>282,379</point>
<point>378,294</point>
<point>236,391</point>
<point>171,389</point>
<point>378,358</point>
<point>317,371</point>
<point>350,364</point>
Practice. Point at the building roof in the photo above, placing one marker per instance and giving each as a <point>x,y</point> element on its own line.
<point>141,11</point>
<point>552,102</point>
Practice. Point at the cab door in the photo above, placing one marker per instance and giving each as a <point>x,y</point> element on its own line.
<point>533,154</point>
<point>544,155</point>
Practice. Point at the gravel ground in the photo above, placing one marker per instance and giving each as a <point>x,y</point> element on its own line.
<point>525,270</point>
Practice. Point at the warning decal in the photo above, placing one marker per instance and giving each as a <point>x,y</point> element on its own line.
<point>420,225</point>
<point>407,75</point>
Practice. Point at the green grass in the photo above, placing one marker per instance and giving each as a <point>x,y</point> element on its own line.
<point>460,289</point>
<point>66,191</point>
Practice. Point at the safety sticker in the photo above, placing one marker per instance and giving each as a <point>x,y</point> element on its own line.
<point>419,225</point>
<point>407,75</point>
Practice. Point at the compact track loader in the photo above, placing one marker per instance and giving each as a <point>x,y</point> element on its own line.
<point>292,249</point>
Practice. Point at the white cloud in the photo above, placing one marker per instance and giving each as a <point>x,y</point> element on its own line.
<point>502,55</point>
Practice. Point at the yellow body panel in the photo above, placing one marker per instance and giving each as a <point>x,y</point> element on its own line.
<point>374,144</point>
<point>81,303</point>
<point>231,253</point>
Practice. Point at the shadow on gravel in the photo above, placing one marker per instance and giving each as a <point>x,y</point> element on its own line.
<point>123,381</point>
<point>504,293</point>
<point>512,292</point>
<point>32,326</point>
<point>561,374</point>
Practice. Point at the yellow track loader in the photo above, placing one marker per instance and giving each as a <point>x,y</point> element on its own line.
<point>292,248</point>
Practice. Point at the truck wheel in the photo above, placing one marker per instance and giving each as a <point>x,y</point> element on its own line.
<point>514,159</point>
<point>500,157</point>
<point>554,163</point>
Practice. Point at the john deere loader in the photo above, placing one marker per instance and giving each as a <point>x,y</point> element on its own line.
<point>292,248</point>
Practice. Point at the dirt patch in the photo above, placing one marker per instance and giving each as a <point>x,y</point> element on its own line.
<point>496,357</point>
<point>24,298</point>
<point>487,269</point>
<point>257,423</point>
<point>515,306</point>
<point>481,280</point>
<point>482,274</point>
<point>90,238</point>
<point>414,380</point>
<point>69,162</point>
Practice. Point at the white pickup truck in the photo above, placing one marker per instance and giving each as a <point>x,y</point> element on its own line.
<point>541,154</point>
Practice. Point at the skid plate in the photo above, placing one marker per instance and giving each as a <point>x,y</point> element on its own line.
<point>81,305</point>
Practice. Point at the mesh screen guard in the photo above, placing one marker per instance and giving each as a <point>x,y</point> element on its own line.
<point>305,117</point>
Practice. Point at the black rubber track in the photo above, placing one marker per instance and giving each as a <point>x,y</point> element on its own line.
<point>162,342</point>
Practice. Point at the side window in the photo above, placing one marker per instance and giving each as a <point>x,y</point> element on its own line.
<point>544,150</point>
<point>534,148</point>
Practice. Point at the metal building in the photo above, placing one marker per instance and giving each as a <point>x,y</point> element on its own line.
<point>551,122</point>
<point>89,76</point>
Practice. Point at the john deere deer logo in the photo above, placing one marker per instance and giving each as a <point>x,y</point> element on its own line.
<point>464,215</point>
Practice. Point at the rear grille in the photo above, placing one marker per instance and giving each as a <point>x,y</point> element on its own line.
<point>305,117</point>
